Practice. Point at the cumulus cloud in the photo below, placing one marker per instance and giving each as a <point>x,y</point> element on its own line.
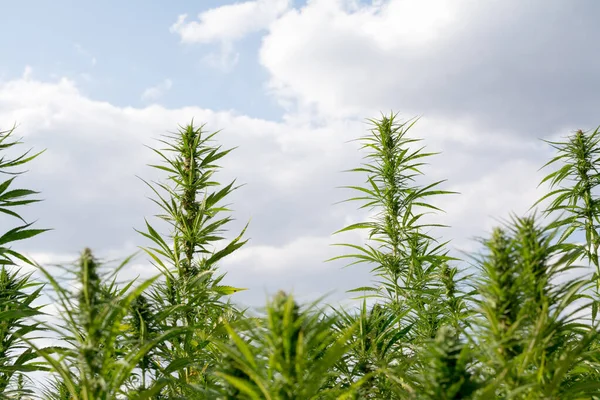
<point>227,24</point>
<point>504,64</point>
<point>156,92</point>
<point>291,170</point>
<point>486,92</point>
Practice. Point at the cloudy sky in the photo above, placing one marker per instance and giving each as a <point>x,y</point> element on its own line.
<point>290,83</point>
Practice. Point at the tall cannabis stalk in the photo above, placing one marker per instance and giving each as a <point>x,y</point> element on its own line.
<point>406,259</point>
<point>190,295</point>
<point>414,280</point>
<point>574,194</point>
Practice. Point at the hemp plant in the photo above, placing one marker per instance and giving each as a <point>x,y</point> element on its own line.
<point>18,292</point>
<point>406,259</point>
<point>96,360</point>
<point>410,265</point>
<point>574,194</point>
<point>533,341</point>
<point>376,344</point>
<point>447,372</point>
<point>190,293</point>
<point>288,354</point>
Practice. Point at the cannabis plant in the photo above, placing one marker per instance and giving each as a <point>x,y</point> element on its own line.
<point>574,194</point>
<point>288,354</point>
<point>17,296</point>
<point>96,359</point>
<point>376,343</point>
<point>190,293</point>
<point>533,336</point>
<point>410,265</point>
<point>18,292</point>
<point>405,258</point>
<point>447,371</point>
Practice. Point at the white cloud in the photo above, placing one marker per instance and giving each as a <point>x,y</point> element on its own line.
<point>156,92</point>
<point>328,51</point>
<point>291,169</point>
<point>442,58</point>
<point>227,24</point>
<point>230,22</point>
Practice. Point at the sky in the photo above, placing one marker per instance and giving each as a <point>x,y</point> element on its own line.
<point>290,84</point>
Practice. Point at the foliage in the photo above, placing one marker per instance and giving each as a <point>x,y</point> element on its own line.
<point>18,292</point>
<point>288,354</point>
<point>518,321</point>
<point>98,359</point>
<point>191,294</point>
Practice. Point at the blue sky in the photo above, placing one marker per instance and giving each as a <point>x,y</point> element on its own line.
<point>290,84</point>
<point>115,50</point>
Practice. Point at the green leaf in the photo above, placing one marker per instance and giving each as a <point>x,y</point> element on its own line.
<point>20,233</point>
<point>227,290</point>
